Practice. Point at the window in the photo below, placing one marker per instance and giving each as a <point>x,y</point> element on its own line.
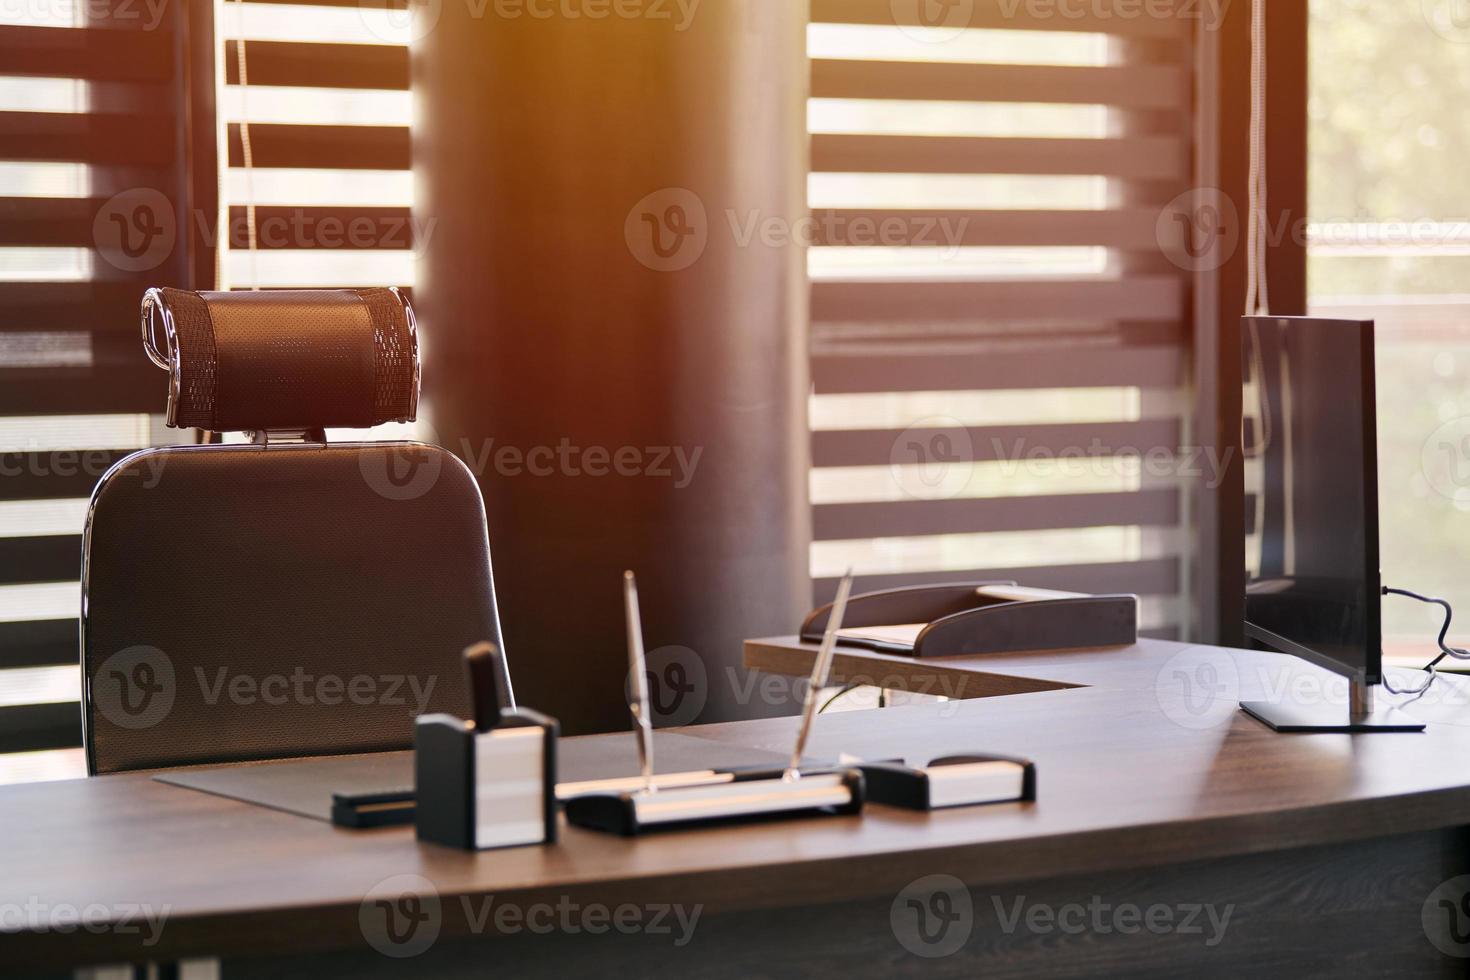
<point>326,113</point>
<point>1389,239</point>
<point>96,207</point>
<point>997,343</point>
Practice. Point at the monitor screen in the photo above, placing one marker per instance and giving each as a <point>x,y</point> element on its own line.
<point>1309,444</point>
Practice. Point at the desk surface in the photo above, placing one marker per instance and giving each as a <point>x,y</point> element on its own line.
<point>1136,769</point>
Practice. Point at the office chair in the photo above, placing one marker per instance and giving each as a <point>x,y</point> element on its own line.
<point>286,597</point>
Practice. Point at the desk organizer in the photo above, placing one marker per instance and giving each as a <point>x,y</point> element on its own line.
<point>481,790</point>
<point>959,780</point>
<point>744,796</point>
<point>979,618</point>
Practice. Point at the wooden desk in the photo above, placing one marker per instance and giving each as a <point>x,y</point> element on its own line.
<point>1323,849</point>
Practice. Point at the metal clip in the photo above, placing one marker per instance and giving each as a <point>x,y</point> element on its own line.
<point>168,358</point>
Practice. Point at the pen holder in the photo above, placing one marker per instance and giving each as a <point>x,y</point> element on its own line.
<point>745,795</point>
<point>482,790</point>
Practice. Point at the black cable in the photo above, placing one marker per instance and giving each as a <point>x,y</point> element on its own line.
<point>846,690</point>
<point>1444,650</point>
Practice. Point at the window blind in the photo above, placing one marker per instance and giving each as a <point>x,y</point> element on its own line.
<point>99,191</point>
<point>326,112</point>
<point>999,343</point>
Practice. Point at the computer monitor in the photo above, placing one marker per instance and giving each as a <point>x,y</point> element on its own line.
<point>1309,440</point>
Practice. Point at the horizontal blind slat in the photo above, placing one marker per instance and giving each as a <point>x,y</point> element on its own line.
<point>1142,298</point>
<point>1130,86</point>
<point>868,447</point>
<point>916,518</point>
<point>327,147</point>
<point>1013,15</point>
<point>39,643</point>
<point>33,728</point>
<point>1103,366</point>
<point>144,139</point>
<point>1136,157</point>
<point>92,54</point>
<point>40,559</point>
<point>1127,228</point>
<point>371,66</point>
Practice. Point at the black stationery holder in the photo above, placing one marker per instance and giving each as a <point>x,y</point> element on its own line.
<point>961,618</point>
<point>490,789</point>
<point>943,782</point>
<point>746,795</point>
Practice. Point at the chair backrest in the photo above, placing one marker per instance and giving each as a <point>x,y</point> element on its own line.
<point>285,597</point>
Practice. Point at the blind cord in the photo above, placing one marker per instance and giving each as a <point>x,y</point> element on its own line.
<point>1257,297</point>
<point>247,158</point>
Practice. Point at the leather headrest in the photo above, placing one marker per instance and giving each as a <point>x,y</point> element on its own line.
<point>285,359</point>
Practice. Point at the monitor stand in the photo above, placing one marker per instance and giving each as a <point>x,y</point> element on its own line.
<point>1360,714</point>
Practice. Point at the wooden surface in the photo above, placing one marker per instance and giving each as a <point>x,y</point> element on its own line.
<point>1133,775</point>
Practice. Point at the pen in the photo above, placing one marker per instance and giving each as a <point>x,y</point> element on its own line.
<point>482,661</point>
<point>820,669</point>
<point>638,679</point>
